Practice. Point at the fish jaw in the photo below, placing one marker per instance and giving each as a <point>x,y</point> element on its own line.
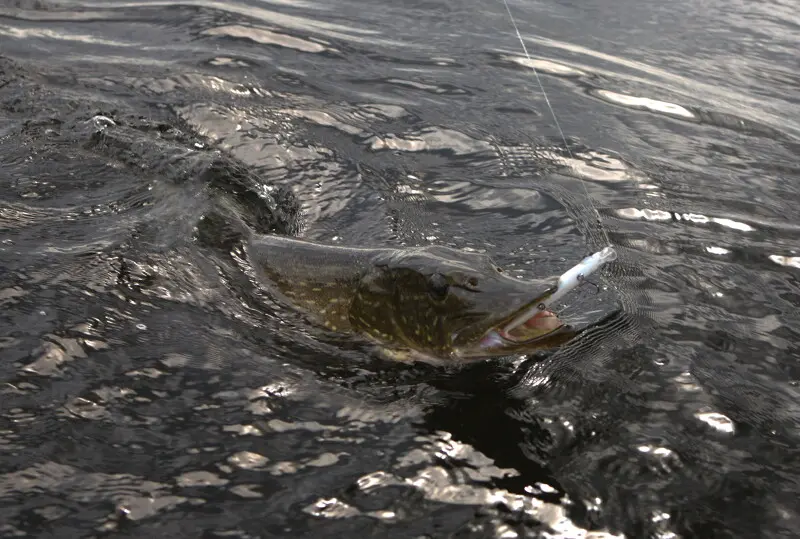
<point>547,328</point>
<point>543,322</point>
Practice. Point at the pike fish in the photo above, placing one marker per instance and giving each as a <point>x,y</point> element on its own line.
<point>431,303</point>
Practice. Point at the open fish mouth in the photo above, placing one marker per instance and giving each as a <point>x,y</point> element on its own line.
<point>538,326</point>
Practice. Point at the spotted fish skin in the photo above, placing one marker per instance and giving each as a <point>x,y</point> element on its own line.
<point>432,303</point>
<point>321,280</point>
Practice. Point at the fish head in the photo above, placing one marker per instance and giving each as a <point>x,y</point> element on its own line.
<point>452,304</point>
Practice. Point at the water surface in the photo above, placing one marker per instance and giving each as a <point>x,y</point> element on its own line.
<point>150,387</point>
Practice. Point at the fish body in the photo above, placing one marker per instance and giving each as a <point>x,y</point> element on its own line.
<point>430,303</point>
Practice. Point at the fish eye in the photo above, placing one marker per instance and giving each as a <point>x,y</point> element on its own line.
<point>472,282</point>
<point>439,286</point>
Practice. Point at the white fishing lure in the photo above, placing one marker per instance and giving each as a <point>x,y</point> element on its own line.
<point>569,280</point>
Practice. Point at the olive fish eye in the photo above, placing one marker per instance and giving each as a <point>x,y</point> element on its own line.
<point>438,286</point>
<point>472,282</point>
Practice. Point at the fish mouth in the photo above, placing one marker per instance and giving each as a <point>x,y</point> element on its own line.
<point>513,332</point>
<point>537,328</point>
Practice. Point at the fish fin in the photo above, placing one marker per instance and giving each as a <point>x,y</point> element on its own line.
<point>396,355</point>
<point>407,356</point>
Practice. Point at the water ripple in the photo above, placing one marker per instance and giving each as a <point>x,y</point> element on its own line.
<point>266,37</point>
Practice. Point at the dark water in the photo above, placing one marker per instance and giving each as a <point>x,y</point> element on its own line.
<point>149,388</point>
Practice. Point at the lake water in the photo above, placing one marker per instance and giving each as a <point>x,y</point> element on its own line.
<point>149,387</point>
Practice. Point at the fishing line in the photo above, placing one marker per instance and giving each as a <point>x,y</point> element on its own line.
<point>555,119</point>
<point>578,274</point>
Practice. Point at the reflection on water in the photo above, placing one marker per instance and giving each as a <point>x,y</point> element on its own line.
<point>646,103</point>
<point>149,383</point>
<point>267,37</point>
